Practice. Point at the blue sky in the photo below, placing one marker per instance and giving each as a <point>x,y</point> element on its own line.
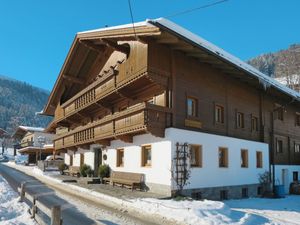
<point>35,35</point>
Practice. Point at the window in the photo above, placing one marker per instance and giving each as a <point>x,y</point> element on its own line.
<point>295,176</point>
<point>280,112</point>
<point>254,123</point>
<point>297,119</point>
<point>223,194</point>
<point>223,157</point>
<point>219,114</point>
<point>146,155</point>
<point>240,120</point>
<point>297,148</point>
<point>259,162</point>
<point>244,158</point>
<point>259,190</point>
<point>120,157</point>
<point>196,155</point>
<point>192,106</point>
<point>245,193</point>
<point>279,146</point>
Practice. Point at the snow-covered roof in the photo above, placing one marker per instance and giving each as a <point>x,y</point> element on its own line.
<point>180,31</point>
<point>34,129</point>
<point>264,79</point>
<point>48,146</point>
<point>143,23</point>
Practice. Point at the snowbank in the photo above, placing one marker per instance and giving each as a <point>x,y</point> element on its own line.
<point>246,211</point>
<point>12,211</point>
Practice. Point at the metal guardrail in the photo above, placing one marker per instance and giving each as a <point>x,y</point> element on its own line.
<point>54,213</point>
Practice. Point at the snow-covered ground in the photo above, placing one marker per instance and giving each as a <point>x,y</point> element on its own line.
<point>285,211</point>
<point>12,212</point>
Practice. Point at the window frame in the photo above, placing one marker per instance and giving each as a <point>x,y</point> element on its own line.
<point>194,112</point>
<point>240,120</point>
<point>198,156</point>
<point>296,147</point>
<point>246,165</point>
<point>220,119</point>
<point>144,160</point>
<point>119,162</point>
<point>254,120</point>
<point>223,162</point>
<point>259,159</point>
<point>279,146</point>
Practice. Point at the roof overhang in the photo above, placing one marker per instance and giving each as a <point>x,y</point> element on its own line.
<point>166,32</point>
<point>31,150</point>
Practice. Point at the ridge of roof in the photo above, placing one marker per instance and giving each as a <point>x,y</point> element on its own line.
<point>129,25</point>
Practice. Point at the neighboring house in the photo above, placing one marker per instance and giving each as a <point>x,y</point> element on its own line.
<point>31,141</point>
<point>161,101</point>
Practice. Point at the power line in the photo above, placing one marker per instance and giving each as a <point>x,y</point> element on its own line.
<point>131,15</point>
<point>197,8</point>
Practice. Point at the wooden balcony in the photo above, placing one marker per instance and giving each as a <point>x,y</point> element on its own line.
<point>109,88</point>
<point>138,119</point>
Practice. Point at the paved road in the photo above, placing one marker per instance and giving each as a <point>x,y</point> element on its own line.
<point>70,215</point>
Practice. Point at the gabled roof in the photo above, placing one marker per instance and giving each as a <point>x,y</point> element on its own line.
<point>22,130</point>
<point>156,27</point>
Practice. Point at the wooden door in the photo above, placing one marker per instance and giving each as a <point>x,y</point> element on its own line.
<point>97,160</point>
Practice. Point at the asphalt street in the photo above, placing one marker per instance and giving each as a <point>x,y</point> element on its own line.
<point>46,195</point>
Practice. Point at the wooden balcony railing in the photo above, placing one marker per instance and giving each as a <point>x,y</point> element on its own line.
<point>107,85</point>
<point>141,118</point>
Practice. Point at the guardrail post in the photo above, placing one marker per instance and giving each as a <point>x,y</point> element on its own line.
<point>55,215</point>
<point>22,192</point>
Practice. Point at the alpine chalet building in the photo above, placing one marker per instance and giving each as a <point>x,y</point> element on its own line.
<point>161,101</point>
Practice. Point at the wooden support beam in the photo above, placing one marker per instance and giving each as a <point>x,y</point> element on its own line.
<point>91,45</point>
<point>72,148</point>
<point>126,138</point>
<point>184,48</point>
<point>122,94</point>
<point>167,39</point>
<point>84,146</point>
<point>104,142</point>
<point>73,79</point>
<point>121,48</point>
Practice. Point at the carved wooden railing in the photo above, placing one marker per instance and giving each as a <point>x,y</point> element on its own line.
<point>142,117</point>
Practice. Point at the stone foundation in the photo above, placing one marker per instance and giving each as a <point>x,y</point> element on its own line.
<point>233,192</point>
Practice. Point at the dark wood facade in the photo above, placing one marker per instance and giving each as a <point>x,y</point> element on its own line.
<point>115,87</point>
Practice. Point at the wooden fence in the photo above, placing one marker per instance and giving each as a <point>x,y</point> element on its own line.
<point>54,213</point>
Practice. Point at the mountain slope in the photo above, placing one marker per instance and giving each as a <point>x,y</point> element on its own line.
<point>283,65</point>
<point>19,102</point>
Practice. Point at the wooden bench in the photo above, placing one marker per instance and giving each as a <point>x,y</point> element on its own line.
<point>125,178</point>
<point>73,171</point>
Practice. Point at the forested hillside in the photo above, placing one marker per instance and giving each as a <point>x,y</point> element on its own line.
<point>283,65</point>
<point>18,104</point>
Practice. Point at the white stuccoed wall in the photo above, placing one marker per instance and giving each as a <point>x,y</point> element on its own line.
<point>158,173</point>
<point>88,157</point>
<point>210,175</point>
<point>48,138</point>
